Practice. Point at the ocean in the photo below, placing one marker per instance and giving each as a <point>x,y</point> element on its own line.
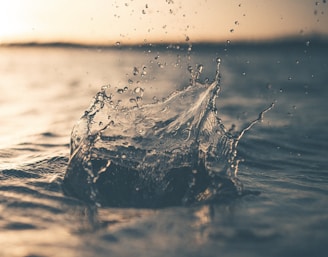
<point>279,207</point>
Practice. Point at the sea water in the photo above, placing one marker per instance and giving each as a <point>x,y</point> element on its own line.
<point>164,94</point>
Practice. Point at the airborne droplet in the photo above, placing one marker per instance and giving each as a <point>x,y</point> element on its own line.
<point>200,68</point>
<point>139,91</point>
<point>135,71</point>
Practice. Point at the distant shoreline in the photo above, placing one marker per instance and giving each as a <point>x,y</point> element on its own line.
<point>317,41</point>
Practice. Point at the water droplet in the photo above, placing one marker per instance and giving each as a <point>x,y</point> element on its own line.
<point>244,73</point>
<point>228,42</point>
<point>118,43</point>
<point>125,89</point>
<point>100,97</point>
<point>139,91</point>
<point>232,30</point>
<point>155,99</point>
<point>130,81</point>
<point>104,88</point>
<point>135,71</point>
<point>144,72</point>
<point>200,68</point>
<point>190,69</point>
<point>217,72</point>
<point>307,43</point>
<point>120,90</point>
<point>297,61</point>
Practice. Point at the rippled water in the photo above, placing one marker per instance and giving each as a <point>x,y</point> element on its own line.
<point>284,158</point>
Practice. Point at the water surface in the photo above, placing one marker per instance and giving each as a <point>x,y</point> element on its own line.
<point>45,91</point>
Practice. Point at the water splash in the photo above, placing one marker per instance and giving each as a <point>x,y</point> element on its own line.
<point>172,152</point>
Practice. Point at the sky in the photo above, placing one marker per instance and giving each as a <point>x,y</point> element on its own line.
<point>158,21</point>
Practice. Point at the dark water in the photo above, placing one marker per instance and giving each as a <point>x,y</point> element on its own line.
<point>284,158</point>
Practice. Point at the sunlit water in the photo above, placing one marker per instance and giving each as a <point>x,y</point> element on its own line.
<point>45,91</point>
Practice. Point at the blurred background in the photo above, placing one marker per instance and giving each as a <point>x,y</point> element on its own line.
<point>140,21</point>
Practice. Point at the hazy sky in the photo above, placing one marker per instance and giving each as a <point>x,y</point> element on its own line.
<point>128,21</point>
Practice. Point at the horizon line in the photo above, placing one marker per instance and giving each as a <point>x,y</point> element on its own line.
<point>316,38</point>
